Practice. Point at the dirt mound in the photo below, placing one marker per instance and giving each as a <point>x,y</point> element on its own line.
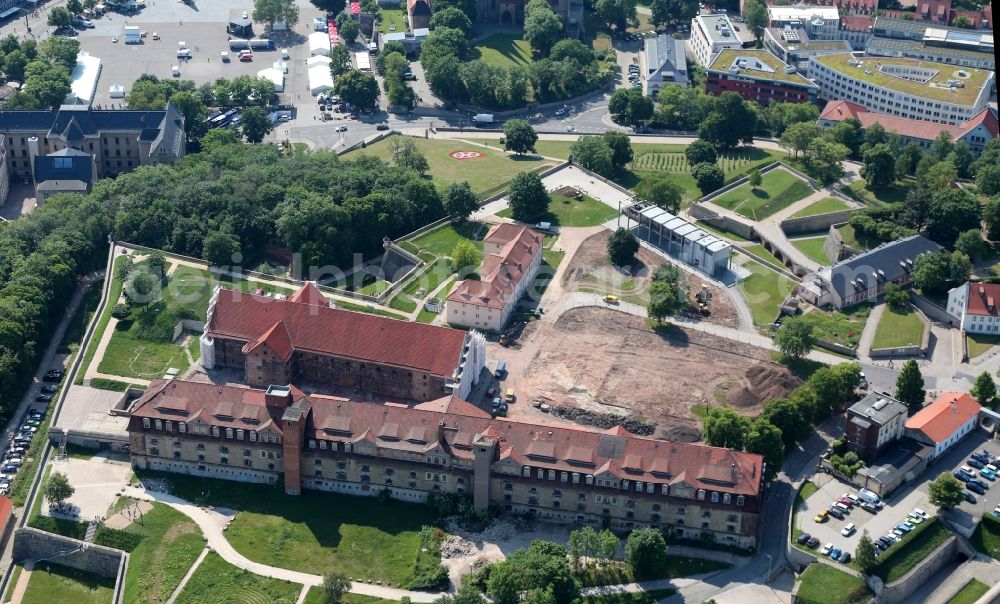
<point>632,423</point>
<point>568,191</point>
<point>763,382</point>
<point>682,434</point>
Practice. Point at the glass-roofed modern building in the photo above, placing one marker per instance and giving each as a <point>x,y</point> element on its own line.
<point>683,240</point>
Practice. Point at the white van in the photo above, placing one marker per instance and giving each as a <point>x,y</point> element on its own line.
<point>869,496</point>
<point>501,369</point>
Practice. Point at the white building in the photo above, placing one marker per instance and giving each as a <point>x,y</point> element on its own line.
<point>664,63</point>
<point>319,43</point>
<point>512,255</point>
<point>820,22</point>
<point>683,240</point>
<point>974,306</point>
<point>944,422</point>
<point>710,35</point>
<point>932,92</point>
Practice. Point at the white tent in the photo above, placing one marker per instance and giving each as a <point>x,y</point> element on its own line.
<point>275,76</point>
<point>318,60</point>
<point>281,66</point>
<point>117,91</point>
<point>319,43</point>
<point>363,60</point>
<point>83,82</point>
<point>320,79</point>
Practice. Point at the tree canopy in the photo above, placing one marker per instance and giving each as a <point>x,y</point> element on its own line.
<point>646,553</point>
<point>527,196</point>
<point>622,247</point>
<point>910,386</point>
<point>946,491</point>
<point>519,136</point>
<point>540,566</point>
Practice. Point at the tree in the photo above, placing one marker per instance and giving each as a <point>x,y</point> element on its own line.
<point>221,249</point>
<point>452,17</point>
<point>847,133</point>
<point>908,158</point>
<point>797,137</point>
<point>592,153</point>
<point>340,60</point>
<point>879,167</point>
<point>146,95</point>
<point>527,196</point>
<point>660,12</point>
<point>460,200</point>
<point>646,553</point>
<point>630,106</point>
<point>755,14</point>
<point>946,491</point>
<point>794,338</point>
<point>754,178</point>
<point>942,145</point>
<point>700,152</point>
<point>74,6</point>
<point>731,122</point>
<point>910,387</point>
<point>58,489</point>
<point>255,124</point>
<point>952,212</point>
<point>765,438</point>
<point>466,6</point>
<point>574,50</point>
<point>542,27</point>
<point>962,158</point>
<point>660,188</point>
<point>617,13</point>
<point>13,65</point>
<point>622,247</point>
<point>519,136</point>
<point>542,565</point>
<point>991,216</point>
<point>930,271</point>
<point>357,88</point>
<point>467,593</point>
<point>988,180</point>
<point>61,51</point>
<point>408,156</point>
<point>865,553</point>
<point>709,177</point>
<point>59,16</point>
<point>725,428</point>
<point>335,585</point>
<point>787,416</point>
<point>984,390</point>
<point>330,7</point>
<point>971,243</point>
<point>824,160</point>
<point>121,311</point>
<point>142,287</point>
<point>348,29</point>
<point>896,298</point>
<point>271,11</point>
<point>959,267</point>
<point>464,257</point>
<point>665,300</point>
<point>621,148</point>
<point>194,111</point>
<point>833,387</point>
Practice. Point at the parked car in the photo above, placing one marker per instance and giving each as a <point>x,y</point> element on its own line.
<point>835,553</point>
<point>43,398</point>
<point>7,468</point>
<point>844,558</point>
<point>914,519</point>
<point>869,507</point>
<point>979,483</point>
<point>975,488</point>
<point>988,475</point>
<point>32,422</point>
<point>993,468</point>
<point>49,389</point>
<point>840,506</point>
<point>854,498</point>
<point>826,549</point>
<point>969,496</point>
<point>803,538</point>
<point>16,450</point>
<point>962,476</point>
<point>28,429</point>
<point>848,529</point>
<point>968,470</point>
<point>981,457</point>
<point>341,128</point>
<point>919,512</point>
<point>53,375</point>
<point>382,126</point>
<point>975,463</point>
<point>847,502</point>
<point>836,513</point>
<point>17,462</point>
<point>906,527</point>
<point>996,511</point>
<point>821,517</point>
<point>813,543</point>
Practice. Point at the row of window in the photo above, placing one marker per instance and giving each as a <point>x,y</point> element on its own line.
<point>231,433</point>
<point>625,485</point>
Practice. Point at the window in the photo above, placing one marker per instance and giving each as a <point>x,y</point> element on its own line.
<point>224,450</point>
<point>182,427</point>
<point>312,444</point>
<point>239,435</point>
<point>715,497</point>
<point>229,432</point>
<point>253,436</point>
<point>248,462</point>
<point>322,445</point>
<point>177,454</point>
<point>145,423</point>
<point>154,451</point>
<point>739,499</point>
<point>201,458</point>
<point>159,424</point>
<point>201,447</point>
<point>727,498</point>
<point>247,452</point>
<point>169,425</point>
<point>701,494</point>
<point>154,441</point>
<point>317,462</point>
<point>215,430</point>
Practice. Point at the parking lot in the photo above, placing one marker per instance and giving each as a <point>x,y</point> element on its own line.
<point>901,502</point>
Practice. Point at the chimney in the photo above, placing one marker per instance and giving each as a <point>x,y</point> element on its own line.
<point>954,406</point>
<point>278,396</point>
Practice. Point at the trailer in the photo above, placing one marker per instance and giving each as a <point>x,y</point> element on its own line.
<point>483,119</point>
<point>261,44</point>
<point>239,44</point>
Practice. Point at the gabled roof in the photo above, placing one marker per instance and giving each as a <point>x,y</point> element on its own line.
<point>983,299</point>
<point>942,418</point>
<point>500,273</point>
<point>887,262</point>
<point>309,294</point>
<point>837,111</point>
<point>275,339</point>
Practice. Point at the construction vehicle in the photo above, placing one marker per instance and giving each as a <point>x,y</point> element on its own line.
<point>702,298</point>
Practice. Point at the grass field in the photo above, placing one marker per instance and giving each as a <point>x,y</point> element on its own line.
<point>823,206</point>
<point>488,174</point>
<point>566,211</point>
<point>393,17</point>
<point>219,581</point>
<point>441,241</point>
<point>54,583</point>
<point>114,293</point>
<point>761,252</point>
<point>839,327</point>
<point>765,290</point>
<point>915,546</point>
<point>315,596</point>
<point>823,584</point>
<point>364,538</point>
<point>671,159</point>
<point>969,594</point>
<point>897,329</point>
<point>638,597</point>
<point>987,536</point>
<point>779,189</point>
<point>980,343</point>
<point>504,50</point>
<point>894,193</point>
<point>812,247</point>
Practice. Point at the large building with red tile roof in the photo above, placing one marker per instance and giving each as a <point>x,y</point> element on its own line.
<point>555,472</point>
<point>944,422</point>
<point>974,307</point>
<point>976,132</point>
<point>306,339</point>
<point>512,255</point>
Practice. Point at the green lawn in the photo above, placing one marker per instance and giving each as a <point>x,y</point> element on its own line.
<point>761,252</point>
<point>823,206</point>
<point>364,538</point>
<point>915,546</point>
<point>850,238</point>
<point>505,50</point>
<point>979,343</point>
<point>639,597</point>
<point>620,572</point>
<point>315,596</point>
<point>51,583</point>
<point>779,189</point>
<point>897,329</point>
<point>219,582</point>
<point>488,174</point>
<point>430,279</point>
<point>403,302</point>
<point>114,294</point>
<point>391,17</point>
<point>441,241</point>
<point>570,212</point>
<point>765,290</point>
<point>12,582</point>
<point>839,327</point>
<point>987,536</point>
<point>894,193</point>
<point>812,247</point>
<point>823,584</point>
<point>969,594</point>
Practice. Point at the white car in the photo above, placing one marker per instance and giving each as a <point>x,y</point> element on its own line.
<point>968,470</point>
<point>919,512</point>
<point>826,549</point>
<point>341,128</point>
<point>853,498</point>
<point>993,468</point>
<point>848,530</point>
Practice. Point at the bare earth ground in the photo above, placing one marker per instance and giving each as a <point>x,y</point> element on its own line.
<point>589,269</point>
<point>606,361</point>
<point>127,516</point>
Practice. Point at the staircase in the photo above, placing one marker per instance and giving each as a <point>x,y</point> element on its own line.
<point>91,530</point>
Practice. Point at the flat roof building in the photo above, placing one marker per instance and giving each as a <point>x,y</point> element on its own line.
<point>757,75</point>
<point>683,240</point>
<point>874,424</point>
<point>710,35</point>
<point>820,22</point>
<point>794,46</point>
<point>911,49</point>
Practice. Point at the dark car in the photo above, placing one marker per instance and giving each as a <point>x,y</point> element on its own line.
<point>880,545</point>
<point>813,543</point>
<point>868,507</point>
<point>382,126</point>
<point>49,389</point>
<point>978,483</point>
<point>961,476</point>
<point>43,398</point>
<point>969,496</point>
<point>836,513</point>
<point>981,456</point>
<point>801,539</point>
<point>844,558</point>
<point>975,488</point>
<point>975,463</point>
<point>52,376</point>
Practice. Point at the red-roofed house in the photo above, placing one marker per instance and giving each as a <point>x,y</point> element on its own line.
<point>944,422</point>
<point>976,132</point>
<point>856,29</point>
<point>935,11</point>
<point>561,473</point>
<point>974,307</point>
<point>513,254</point>
<point>306,339</point>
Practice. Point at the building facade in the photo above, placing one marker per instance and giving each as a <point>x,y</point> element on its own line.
<point>682,240</point>
<point>974,307</point>
<point>512,255</point>
<point>664,63</point>
<point>757,75</point>
<point>557,473</point>
<point>932,92</point>
<point>710,35</point>
<point>874,424</point>
<point>819,22</point>
<point>947,420</point>
<point>307,339</point>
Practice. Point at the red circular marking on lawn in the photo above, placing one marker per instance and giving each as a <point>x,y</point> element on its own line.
<point>465,154</point>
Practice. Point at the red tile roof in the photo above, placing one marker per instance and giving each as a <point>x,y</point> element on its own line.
<point>942,418</point>
<point>500,272</point>
<point>856,22</point>
<point>841,110</point>
<point>310,294</point>
<point>337,332</point>
<point>983,298</point>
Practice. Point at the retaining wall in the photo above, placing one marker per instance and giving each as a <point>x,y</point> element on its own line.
<point>724,223</point>
<point>907,351</point>
<point>33,544</point>
<point>901,590</point>
<point>805,224</point>
<point>932,310</point>
<point>838,348</point>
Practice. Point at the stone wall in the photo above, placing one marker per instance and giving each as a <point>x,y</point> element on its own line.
<point>33,544</point>
<point>819,222</point>
<point>906,351</point>
<point>723,223</point>
<point>901,590</point>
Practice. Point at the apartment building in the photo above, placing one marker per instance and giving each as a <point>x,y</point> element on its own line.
<point>874,424</point>
<point>819,22</point>
<point>307,339</point>
<point>974,307</point>
<point>757,75</point>
<point>559,473</point>
<point>710,35</point>
<point>932,92</point>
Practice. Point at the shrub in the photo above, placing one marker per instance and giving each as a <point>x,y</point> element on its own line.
<point>121,311</point>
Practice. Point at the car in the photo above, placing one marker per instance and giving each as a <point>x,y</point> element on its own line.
<point>53,375</point>
<point>844,558</point>
<point>843,508</point>
<point>969,496</point>
<point>914,519</point>
<point>848,529</point>
<point>803,538</point>
<point>821,517</point>
<point>8,469</point>
<point>919,512</point>
<point>847,502</point>
<point>246,58</point>
<point>975,463</point>
<point>962,476</point>
<point>988,475</point>
<point>906,527</point>
<point>28,429</point>
<point>813,543</point>
<point>996,511</point>
<point>967,470</point>
<point>610,299</point>
<point>114,39</point>
<point>47,389</point>
<point>382,126</point>
<point>880,546</point>
<point>17,462</point>
<point>341,128</point>
<point>18,450</point>
<point>981,456</point>
<point>975,488</point>
<point>571,129</point>
<point>898,533</point>
<point>835,553</point>
<point>35,414</point>
<point>633,69</point>
<point>560,112</point>
<point>43,398</point>
<point>979,483</point>
<point>993,468</point>
<point>863,384</point>
<point>869,507</point>
<point>32,422</point>
<point>826,549</point>
<point>854,498</point>
<point>836,513</point>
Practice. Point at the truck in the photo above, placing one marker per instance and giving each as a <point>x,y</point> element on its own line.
<point>261,44</point>
<point>132,34</point>
<point>870,496</point>
<point>483,119</point>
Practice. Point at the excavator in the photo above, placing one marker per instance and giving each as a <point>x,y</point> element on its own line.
<point>702,298</point>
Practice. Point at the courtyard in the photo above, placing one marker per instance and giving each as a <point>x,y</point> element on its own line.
<point>778,190</point>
